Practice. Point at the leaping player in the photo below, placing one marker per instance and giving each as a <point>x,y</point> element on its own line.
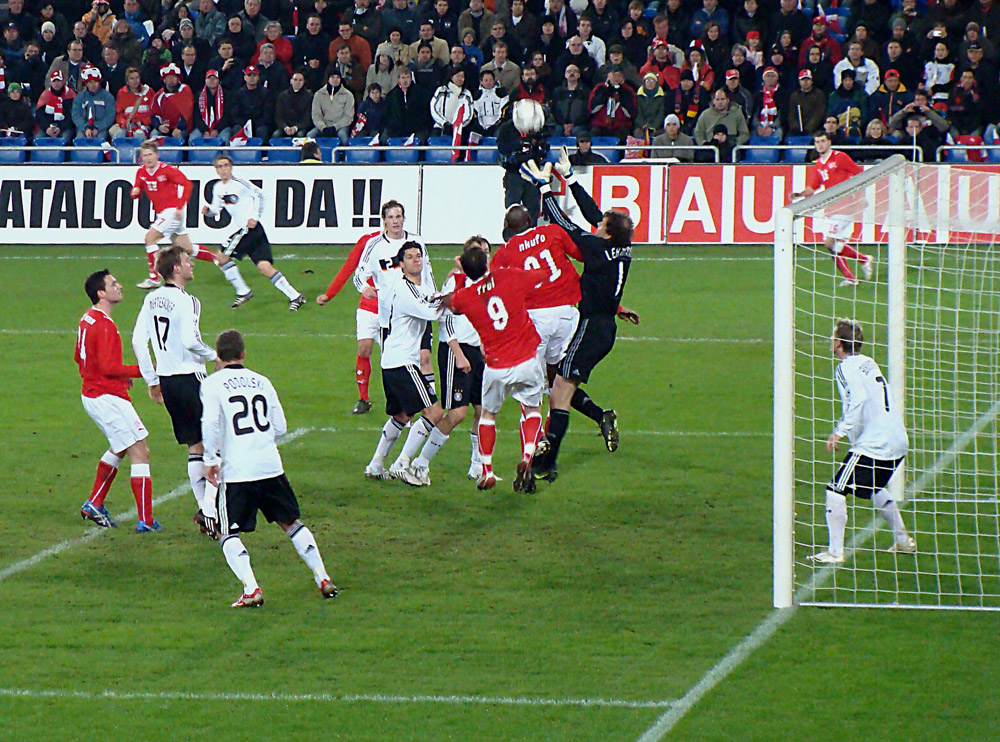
<point>833,167</point>
<point>169,190</point>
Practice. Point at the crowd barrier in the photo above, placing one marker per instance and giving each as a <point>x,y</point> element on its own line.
<point>69,204</point>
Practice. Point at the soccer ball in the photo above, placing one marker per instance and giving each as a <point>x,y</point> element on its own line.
<point>529,117</point>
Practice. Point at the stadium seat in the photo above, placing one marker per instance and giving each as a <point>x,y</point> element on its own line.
<point>762,155</point>
<point>364,152</point>
<point>243,154</point>
<point>971,140</point>
<point>555,143</point>
<point>127,148</point>
<point>282,155</point>
<point>87,150</point>
<point>48,155</point>
<point>11,149</point>
<point>172,156</point>
<point>209,147</point>
<point>488,155</point>
<point>328,148</point>
<point>993,154</point>
<point>443,154</point>
<point>956,155</point>
<point>612,155</point>
<point>401,155</point>
<point>798,155</point>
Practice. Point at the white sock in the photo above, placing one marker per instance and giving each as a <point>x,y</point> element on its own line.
<point>435,440</point>
<point>387,439</point>
<point>281,283</point>
<point>196,475</point>
<point>418,434</point>
<point>304,543</point>
<point>111,460</point>
<point>474,437</point>
<point>889,511</point>
<point>836,521</point>
<point>232,273</point>
<point>238,559</point>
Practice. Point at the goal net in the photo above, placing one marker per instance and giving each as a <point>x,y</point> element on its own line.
<point>931,320</point>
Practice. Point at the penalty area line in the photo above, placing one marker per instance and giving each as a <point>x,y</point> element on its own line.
<point>378,698</point>
<point>126,516</point>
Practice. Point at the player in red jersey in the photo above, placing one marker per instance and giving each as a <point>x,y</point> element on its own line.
<point>366,318</point>
<point>106,381</point>
<point>496,303</point>
<point>833,167</point>
<point>169,190</point>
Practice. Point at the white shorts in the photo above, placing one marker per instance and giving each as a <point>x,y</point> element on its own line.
<point>367,322</point>
<point>834,227</point>
<point>555,326</point>
<point>117,419</point>
<point>170,223</point>
<point>524,382</point>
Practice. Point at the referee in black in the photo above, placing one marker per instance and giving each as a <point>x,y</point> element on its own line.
<point>607,255</point>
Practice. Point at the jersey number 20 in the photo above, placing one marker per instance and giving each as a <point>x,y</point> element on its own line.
<point>257,407</point>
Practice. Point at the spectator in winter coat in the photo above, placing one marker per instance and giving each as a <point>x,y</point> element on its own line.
<point>849,105</point>
<point>360,50</point>
<point>93,108</point>
<point>616,55</point>
<point>613,107</point>
<point>312,50</point>
<point>508,74</point>
<point>210,25</point>
<point>172,112</point>
<point>569,104</point>
<point>652,106</point>
<point>134,16</point>
<point>54,112</point>
<point>396,48</point>
<point>213,117</point>
<point>283,51</point>
<point>964,108</point>
<point>662,64</point>
<point>737,93</point>
<point>939,73</point>
<point>273,74</point>
<point>100,20</point>
<point>382,72</point>
<point>408,110</point>
<point>371,113</point>
<point>333,109</point>
<point>530,87</point>
<point>822,70</point>
<point>132,107</point>
<point>351,74</point>
<point>70,65</point>
<point>480,20</point>
<point>16,115</point>
<point>866,72</point>
<point>875,136</point>
<point>253,103</point>
<point>724,113</point>
<point>401,16</point>
<point>829,47</point>
<point>293,109</point>
<point>489,103</point>
<point>891,97</point>
<point>672,136</point>
<point>447,101</point>
<point>584,155</point>
<point>770,106</point>
<point>575,54</point>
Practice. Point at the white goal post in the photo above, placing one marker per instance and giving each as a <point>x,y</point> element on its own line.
<point>931,320</point>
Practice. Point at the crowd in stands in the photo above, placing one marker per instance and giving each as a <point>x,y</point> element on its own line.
<point>677,73</point>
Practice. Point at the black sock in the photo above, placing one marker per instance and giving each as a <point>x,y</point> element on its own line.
<point>583,403</point>
<point>558,424</point>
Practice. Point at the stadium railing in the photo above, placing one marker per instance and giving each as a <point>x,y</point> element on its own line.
<point>961,152</point>
<point>760,153</point>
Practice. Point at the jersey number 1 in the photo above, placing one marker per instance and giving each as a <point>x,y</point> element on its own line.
<point>885,391</point>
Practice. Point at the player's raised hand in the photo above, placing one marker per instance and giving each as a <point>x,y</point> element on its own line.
<point>563,166</point>
<point>536,175</point>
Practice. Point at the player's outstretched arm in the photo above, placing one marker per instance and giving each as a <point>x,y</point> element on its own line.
<point>628,315</point>
<point>588,206</point>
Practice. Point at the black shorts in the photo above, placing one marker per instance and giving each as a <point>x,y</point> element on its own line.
<point>249,242</point>
<point>427,339</point>
<point>406,391</point>
<point>182,398</point>
<point>594,338</point>
<point>238,503</point>
<point>460,388</point>
<point>863,475</point>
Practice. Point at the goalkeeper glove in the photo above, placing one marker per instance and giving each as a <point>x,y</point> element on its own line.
<point>536,175</point>
<point>564,167</point>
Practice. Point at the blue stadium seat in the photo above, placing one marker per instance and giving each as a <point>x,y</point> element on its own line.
<point>401,155</point>
<point>438,155</point>
<point>282,155</point>
<point>612,155</point>
<point>993,154</point>
<point>488,155</point>
<point>328,148</point>
<point>212,147</point>
<point>127,147</point>
<point>956,155</point>
<point>555,143</point>
<point>172,155</point>
<point>87,150</point>
<point>762,155</point>
<point>48,155</point>
<point>364,153</point>
<point>11,149</point>
<point>242,154</point>
<point>798,155</point>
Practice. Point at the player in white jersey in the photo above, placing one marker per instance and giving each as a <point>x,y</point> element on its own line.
<point>245,203</point>
<point>461,366</point>
<point>377,270</point>
<point>874,427</point>
<point>241,420</point>
<point>169,320</point>
<point>407,392</point>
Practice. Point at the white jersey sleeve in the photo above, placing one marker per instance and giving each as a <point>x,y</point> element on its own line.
<point>870,420</point>
<point>241,419</point>
<point>455,326</point>
<point>140,345</point>
<point>171,317</point>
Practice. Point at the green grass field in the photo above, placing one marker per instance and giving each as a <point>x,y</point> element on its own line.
<point>605,607</point>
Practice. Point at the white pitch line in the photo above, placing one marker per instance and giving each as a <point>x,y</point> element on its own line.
<point>339,258</point>
<point>780,616</point>
<point>126,516</point>
<point>331,698</point>
<point>592,433</point>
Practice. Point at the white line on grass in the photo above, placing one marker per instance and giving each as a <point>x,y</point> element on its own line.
<point>331,698</point>
<point>339,258</point>
<point>779,617</point>
<point>125,516</point>
<point>627,432</point>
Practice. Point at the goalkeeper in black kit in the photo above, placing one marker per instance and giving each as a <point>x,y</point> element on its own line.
<point>607,255</point>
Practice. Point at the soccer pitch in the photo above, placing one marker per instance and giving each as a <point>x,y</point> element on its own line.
<point>629,600</point>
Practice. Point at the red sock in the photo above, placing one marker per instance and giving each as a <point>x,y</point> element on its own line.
<point>849,252</point>
<point>487,440</point>
<point>102,482</point>
<point>531,428</point>
<point>142,489</point>
<point>842,267</point>
<point>363,370</point>
<point>520,427</point>
<point>201,253</point>
<point>151,259</point>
